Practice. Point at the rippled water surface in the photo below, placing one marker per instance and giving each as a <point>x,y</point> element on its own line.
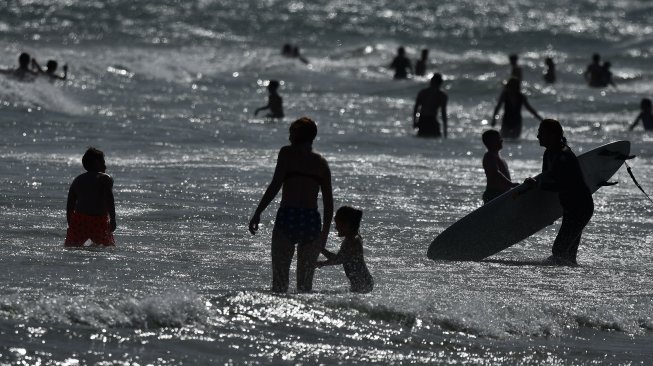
<point>168,88</point>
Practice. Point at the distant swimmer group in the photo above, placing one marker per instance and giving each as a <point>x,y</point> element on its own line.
<point>28,68</point>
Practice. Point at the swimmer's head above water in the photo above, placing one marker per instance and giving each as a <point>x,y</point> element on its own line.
<point>93,160</point>
<point>348,220</point>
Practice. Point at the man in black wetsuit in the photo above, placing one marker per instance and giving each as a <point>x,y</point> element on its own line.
<point>562,174</point>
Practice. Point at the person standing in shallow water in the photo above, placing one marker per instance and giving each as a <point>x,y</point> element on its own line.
<point>561,173</point>
<point>275,102</point>
<point>496,169</point>
<point>420,65</point>
<point>428,102</point>
<point>550,73</point>
<point>515,69</point>
<point>513,100</point>
<point>401,64</point>
<point>645,115</point>
<point>350,255</point>
<point>302,174</point>
<point>594,72</point>
<point>90,210</point>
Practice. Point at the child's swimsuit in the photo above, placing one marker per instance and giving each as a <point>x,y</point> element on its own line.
<point>83,227</point>
<point>299,225</point>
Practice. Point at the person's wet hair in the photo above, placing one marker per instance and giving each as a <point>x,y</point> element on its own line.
<point>436,79</point>
<point>91,158</point>
<point>646,104</point>
<point>306,130</point>
<point>489,136</point>
<point>350,215</point>
<point>554,127</point>
<point>23,59</point>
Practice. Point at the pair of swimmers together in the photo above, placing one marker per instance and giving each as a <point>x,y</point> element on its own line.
<point>300,174</point>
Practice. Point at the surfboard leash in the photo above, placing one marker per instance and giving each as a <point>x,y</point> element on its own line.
<point>630,172</point>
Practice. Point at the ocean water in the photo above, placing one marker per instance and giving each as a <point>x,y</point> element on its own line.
<point>168,88</point>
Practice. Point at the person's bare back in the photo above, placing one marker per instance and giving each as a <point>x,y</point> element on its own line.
<point>91,193</point>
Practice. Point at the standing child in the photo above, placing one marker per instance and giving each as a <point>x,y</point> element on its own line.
<point>350,255</point>
<point>275,102</point>
<point>496,169</point>
<point>91,211</point>
<point>645,115</point>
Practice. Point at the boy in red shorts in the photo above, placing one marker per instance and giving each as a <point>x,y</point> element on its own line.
<point>91,211</point>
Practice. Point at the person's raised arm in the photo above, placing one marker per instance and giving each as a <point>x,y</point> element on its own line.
<point>36,66</point>
<point>327,203</point>
<point>500,102</point>
<point>531,109</point>
<point>639,117</point>
<point>271,191</point>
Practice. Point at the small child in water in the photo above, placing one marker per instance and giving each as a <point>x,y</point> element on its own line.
<point>275,102</point>
<point>91,211</point>
<point>350,255</point>
<point>645,115</point>
<point>496,169</point>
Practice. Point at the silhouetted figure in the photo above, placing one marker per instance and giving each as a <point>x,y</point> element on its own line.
<point>562,174</point>
<point>275,102</point>
<point>594,72</point>
<point>23,70</point>
<point>515,69</point>
<point>401,64</point>
<point>496,169</point>
<point>428,102</point>
<point>51,68</point>
<point>286,50</point>
<point>513,100</point>
<point>350,255</point>
<point>606,75</point>
<point>301,173</point>
<point>91,211</point>
<point>645,115</point>
<point>297,55</point>
<point>420,65</point>
<point>550,73</point>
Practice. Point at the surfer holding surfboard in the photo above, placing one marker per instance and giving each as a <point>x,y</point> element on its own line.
<point>562,173</point>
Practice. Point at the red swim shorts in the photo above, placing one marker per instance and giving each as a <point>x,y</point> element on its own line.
<point>83,227</point>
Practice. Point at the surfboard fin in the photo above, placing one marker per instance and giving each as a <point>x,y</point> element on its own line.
<point>607,184</point>
<point>617,155</point>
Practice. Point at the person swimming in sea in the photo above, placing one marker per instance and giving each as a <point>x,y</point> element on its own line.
<point>350,255</point>
<point>496,169</point>
<point>420,65</point>
<point>275,102</point>
<point>561,173</point>
<point>23,72</point>
<point>401,64</point>
<point>645,115</point>
<point>550,72</point>
<point>428,103</point>
<point>302,174</point>
<point>51,69</point>
<point>512,99</point>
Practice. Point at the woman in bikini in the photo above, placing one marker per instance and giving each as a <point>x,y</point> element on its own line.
<point>302,173</point>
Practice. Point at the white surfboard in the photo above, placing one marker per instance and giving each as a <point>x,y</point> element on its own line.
<point>506,220</point>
